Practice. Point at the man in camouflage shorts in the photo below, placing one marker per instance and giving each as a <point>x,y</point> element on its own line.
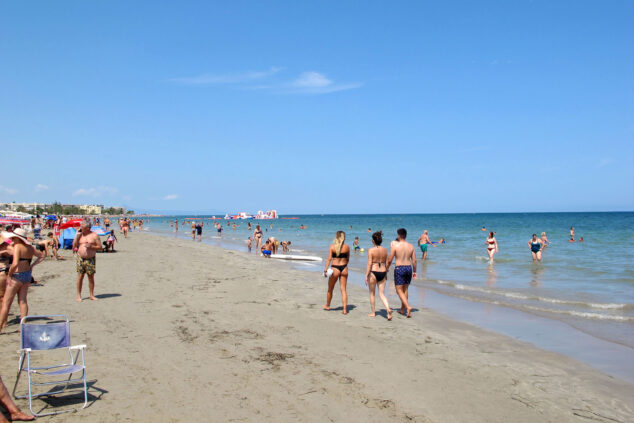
<point>87,244</point>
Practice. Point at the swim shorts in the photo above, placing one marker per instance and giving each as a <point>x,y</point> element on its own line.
<point>86,265</point>
<point>402,275</point>
<point>266,252</point>
<point>423,248</point>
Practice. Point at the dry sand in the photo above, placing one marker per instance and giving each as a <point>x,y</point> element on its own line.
<point>189,332</point>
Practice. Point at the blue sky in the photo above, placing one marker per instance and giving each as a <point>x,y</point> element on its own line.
<point>320,107</point>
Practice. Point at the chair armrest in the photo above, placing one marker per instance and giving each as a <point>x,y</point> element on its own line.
<point>24,350</point>
<point>77,347</point>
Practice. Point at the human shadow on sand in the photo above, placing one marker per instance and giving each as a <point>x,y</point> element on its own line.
<point>340,308</point>
<point>102,296</point>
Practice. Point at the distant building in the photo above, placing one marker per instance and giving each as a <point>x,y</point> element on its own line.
<point>25,206</point>
<point>92,208</point>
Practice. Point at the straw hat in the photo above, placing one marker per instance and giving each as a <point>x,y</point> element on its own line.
<point>17,233</point>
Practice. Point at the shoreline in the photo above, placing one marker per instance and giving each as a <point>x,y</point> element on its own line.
<point>198,332</point>
<point>615,359</point>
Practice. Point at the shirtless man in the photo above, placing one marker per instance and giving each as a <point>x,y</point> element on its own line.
<point>87,244</point>
<point>405,268</point>
<point>423,241</point>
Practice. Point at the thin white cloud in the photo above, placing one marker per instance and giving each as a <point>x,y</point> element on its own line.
<point>40,187</point>
<point>170,197</point>
<point>228,78</point>
<point>8,190</point>
<point>604,162</point>
<point>95,192</point>
<point>317,83</point>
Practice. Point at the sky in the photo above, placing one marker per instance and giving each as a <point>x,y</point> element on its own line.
<point>319,107</point>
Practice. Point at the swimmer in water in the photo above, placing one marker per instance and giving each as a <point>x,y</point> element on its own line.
<point>572,233</point>
<point>580,239</point>
<point>536,245</point>
<point>492,245</point>
<point>545,240</point>
<point>572,239</point>
<point>423,240</point>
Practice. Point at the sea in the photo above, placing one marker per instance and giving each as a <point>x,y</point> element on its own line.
<point>579,301</point>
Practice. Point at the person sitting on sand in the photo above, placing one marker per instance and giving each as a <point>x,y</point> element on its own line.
<point>266,249</point>
<point>15,414</point>
<point>339,256</point>
<point>376,273</point>
<point>87,244</point>
<point>404,269</point>
<point>19,274</point>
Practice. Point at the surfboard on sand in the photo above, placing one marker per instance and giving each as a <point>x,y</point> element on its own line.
<point>295,257</point>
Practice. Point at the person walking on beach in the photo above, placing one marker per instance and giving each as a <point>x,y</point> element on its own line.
<point>19,274</point>
<point>404,269</point>
<point>339,256</point>
<point>535,244</point>
<point>423,241</point>
<point>376,273</point>
<point>87,244</point>
<point>492,246</point>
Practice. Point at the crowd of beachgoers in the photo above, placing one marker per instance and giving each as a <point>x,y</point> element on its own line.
<point>25,245</point>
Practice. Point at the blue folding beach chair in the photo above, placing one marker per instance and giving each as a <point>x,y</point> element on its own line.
<point>48,334</point>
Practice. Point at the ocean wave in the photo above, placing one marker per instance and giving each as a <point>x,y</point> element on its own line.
<point>573,313</point>
<point>520,296</point>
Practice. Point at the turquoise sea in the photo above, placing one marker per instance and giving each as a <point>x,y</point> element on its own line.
<point>578,301</point>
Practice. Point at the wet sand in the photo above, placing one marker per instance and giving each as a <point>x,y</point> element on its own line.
<point>185,331</point>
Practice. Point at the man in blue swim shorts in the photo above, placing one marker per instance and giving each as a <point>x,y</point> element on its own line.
<point>405,268</point>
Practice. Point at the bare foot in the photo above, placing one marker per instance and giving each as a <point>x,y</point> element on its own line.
<point>344,312</point>
<point>409,312</point>
<point>389,315</point>
<point>79,299</point>
<point>372,314</point>
<point>20,416</point>
<point>92,297</point>
<point>401,311</point>
<point>325,307</point>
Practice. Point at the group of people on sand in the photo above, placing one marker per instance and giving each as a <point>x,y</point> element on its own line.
<point>18,257</point>
<point>402,253</point>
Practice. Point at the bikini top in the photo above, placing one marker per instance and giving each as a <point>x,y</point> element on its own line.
<point>340,255</point>
<point>491,241</point>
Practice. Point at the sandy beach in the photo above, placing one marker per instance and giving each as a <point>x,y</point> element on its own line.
<point>185,331</point>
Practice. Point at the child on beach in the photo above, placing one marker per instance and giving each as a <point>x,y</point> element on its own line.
<point>249,244</point>
<point>355,244</point>
<point>266,249</point>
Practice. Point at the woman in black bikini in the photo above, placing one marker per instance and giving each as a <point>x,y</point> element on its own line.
<point>338,255</point>
<point>257,236</point>
<point>376,273</point>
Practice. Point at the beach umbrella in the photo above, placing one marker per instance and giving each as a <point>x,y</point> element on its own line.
<point>73,223</point>
<point>13,221</point>
<point>51,217</point>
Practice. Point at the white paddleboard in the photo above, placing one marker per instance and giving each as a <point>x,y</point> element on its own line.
<point>295,257</point>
